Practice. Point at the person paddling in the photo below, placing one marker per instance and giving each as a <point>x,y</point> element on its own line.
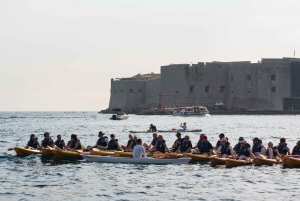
<point>245,151</point>
<point>225,150</point>
<point>186,145</point>
<point>183,126</point>
<point>113,144</point>
<point>258,149</point>
<point>139,150</point>
<point>152,128</point>
<point>74,143</point>
<point>47,141</point>
<point>282,148</point>
<point>101,142</point>
<point>60,143</point>
<point>161,146</point>
<point>237,147</point>
<point>151,146</point>
<point>204,146</point>
<point>177,142</point>
<point>33,142</point>
<point>130,136</point>
<point>296,150</point>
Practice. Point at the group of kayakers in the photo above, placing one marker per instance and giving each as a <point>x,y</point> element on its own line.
<point>242,150</point>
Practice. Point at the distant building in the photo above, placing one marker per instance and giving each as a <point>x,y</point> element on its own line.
<point>272,84</point>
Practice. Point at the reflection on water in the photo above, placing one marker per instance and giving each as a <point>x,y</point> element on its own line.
<point>38,177</point>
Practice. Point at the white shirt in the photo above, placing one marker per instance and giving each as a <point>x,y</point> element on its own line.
<point>183,127</point>
<point>139,151</point>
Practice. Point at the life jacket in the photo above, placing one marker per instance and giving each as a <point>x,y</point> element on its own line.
<point>154,141</point>
<point>73,143</point>
<point>296,150</point>
<point>237,148</point>
<point>46,142</point>
<point>225,150</point>
<point>282,148</point>
<point>185,146</point>
<point>244,151</point>
<point>112,145</point>
<point>256,147</point>
<point>129,142</point>
<point>133,143</point>
<point>32,143</point>
<point>204,147</point>
<point>160,146</point>
<point>178,140</point>
<point>101,142</point>
<point>274,153</point>
<point>153,128</point>
<point>59,144</point>
<point>218,144</point>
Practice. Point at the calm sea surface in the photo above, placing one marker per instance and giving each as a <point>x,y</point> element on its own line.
<point>37,178</point>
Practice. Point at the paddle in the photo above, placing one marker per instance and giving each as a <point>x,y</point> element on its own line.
<point>159,155</point>
<point>10,149</point>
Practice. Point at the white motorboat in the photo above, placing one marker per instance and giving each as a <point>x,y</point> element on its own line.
<point>169,131</point>
<point>119,115</point>
<point>190,111</point>
<point>112,159</point>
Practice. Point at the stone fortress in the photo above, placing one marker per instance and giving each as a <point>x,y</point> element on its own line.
<point>270,84</point>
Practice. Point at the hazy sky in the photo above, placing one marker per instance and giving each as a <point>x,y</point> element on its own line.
<point>61,55</point>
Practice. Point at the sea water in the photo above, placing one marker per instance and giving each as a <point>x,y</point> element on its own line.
<point>36,177</point>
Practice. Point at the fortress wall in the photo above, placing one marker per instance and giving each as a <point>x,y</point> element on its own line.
<point>152,89</point>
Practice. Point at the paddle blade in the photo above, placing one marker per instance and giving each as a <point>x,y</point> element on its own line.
<point>10,149</point>
<point>159,155</point>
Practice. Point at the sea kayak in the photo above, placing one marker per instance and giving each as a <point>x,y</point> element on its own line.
<point>235,163</point>
<point>169,131</point>
<point>173,155</point>
<point>127,154</point>
<point>291,162</point>
<point>65,154</point>
<point>197,157</point>
<point>262,161</point>
<point>217,161</point>
<point>47,152</point>
<point>102,153</point>
<point>111,159</point>
<point>25,152</point>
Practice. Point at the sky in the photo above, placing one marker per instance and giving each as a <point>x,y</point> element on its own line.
<point>60,55</point>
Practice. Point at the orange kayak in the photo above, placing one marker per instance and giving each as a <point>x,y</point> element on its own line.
<point>262,161</point>
<point>65,154</point>
<point>235,163</point>
<point>174,155</point>
<point>291,162</point>
<point>197,157</point>
<point>25,152</point>
<point>47,152</point>
<point>217,161</point>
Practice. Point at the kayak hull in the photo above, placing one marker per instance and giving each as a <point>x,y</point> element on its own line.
<point>291,162</point>
<point>66,154</point>
<point>25,152</point>
<point>235,163</point>
<point>127,154</point>
<point>47,152</point>
<point>262,161</point>
<point>169,131</point>
<point>110,159</point>
<point>173,155</point>
<point>197,157</point>
<point>102,153</point>
<point>217,161</point>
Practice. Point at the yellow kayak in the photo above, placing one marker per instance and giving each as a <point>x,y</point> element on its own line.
<point>262,161</point>
<point>102,153</point>
<point>47,152</point>
<point>217,161</point>
<point>291,162</point>
<point>128,154</point>
<point>25,152</point>
<point>65,154</point>
<point>174,155</point>
<point>197,157</point>
<point>235,163</point>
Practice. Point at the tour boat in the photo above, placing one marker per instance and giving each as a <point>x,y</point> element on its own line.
<point>119,115</point>
<point>190,111</point>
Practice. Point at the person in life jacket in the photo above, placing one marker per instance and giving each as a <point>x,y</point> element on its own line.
<point>74,143</point>
<point>237,147</point>
<point>152,128</point>
<point>177,142</point>
<point>270,153</point>
<point>130,136</point>
<point>186,145</point>
<point>282,148</point>
<point>47,141</point>
<point>132,144</point>
<point>203,146</point>
<point>60,143</point>
<point>225,150</point>
<point>151,146</point>
<point>101,142</point>
<point>296,150</point>
<point>113,144</point>
<point>33,142</point>
<point>245,151</point>
<point>258,149</point>
<point>161,146</point>
<point>183,126</point>
<point>221,136</point>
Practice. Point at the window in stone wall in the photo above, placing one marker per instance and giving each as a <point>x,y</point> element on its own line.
<point>248,77</point>
<point>206,89</point>
<point>131,90</point>
<point>176,91</point>
<point>273,89</point>
<point>273,77</point>
<point>231,78</point>
<point>222,89</point>
<point>192,88</point>
<point>140,90</point>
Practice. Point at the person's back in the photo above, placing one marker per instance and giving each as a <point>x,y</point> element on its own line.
<point>139,150</point>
